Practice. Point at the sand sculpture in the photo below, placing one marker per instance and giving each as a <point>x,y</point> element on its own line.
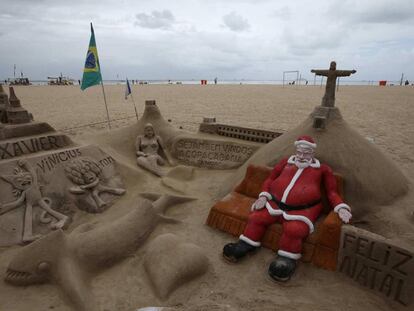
<point>85,174</point>
<point>27,191</point>
<point>69,260</point>
<point>210,126</point>
<point>321,114</point>
<point>151,152</point>
<point>179,178</point>
<point>4,103</point>
<point>202,307</point>
<point>328,99</point>
<point>73,260</point>
<point>190,149</point>
<point>381,265</point>
<point>166,270</point>
<point>292,196</point>
<point>152,155</point>
<point>15,112</point>
<point>359,161</point>
<point>200,150</point>
<point>153,116</point>
<point>48,175</point>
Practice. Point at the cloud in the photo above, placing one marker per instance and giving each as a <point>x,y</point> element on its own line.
<point>236,22</point>
<point>283,13</point>
<point>378,12</point>
<point>384,15</point>
<point>229,39</point>
<point>156,20</point>
<point>308,41</point>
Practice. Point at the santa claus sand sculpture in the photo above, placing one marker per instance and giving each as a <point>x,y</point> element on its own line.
<point>291,195</point>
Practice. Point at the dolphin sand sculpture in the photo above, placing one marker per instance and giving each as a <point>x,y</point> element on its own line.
<point>69,260</point>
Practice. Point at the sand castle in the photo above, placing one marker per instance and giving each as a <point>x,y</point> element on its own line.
<point>16,114</point>
<point>125,254</point>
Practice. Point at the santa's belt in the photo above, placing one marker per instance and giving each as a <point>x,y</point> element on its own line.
<point>286,207</point>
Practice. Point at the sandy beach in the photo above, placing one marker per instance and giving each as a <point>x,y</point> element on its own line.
<point>381,114</point>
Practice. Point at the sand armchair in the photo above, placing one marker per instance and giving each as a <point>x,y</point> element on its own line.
<point>230,215</point>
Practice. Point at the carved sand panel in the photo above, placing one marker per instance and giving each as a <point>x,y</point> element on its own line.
<point>16,147</point>
<point>378,264</point>
<point>85,174</point>
<point>28,195</point>
<point>37,196</point>
<point>209,153</point>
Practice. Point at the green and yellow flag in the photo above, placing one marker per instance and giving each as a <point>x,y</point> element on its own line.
<point>92,71</point>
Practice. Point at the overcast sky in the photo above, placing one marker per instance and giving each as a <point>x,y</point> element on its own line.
<point>230,39</point>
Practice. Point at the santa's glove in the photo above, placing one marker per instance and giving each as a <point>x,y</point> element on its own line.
<point>345,215</point>
<point>344,212</point>
<point>259,204</point>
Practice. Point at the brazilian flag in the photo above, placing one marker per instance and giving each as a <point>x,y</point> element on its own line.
<point>92,71</point>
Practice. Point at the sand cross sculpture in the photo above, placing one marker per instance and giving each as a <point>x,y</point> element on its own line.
<point>328,99</point>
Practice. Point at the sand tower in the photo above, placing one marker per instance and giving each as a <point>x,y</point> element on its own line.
<point>371,178</point>
<point>16,114</point>
<point>4,103</point>
<point>153,115</point>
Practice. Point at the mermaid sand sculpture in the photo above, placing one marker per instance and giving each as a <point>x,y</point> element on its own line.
<point>68,260</point>
<point>150,150</point>
<point>27,190</point>
<point>84,173</point>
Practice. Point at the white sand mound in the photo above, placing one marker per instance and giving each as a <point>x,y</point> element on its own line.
<point>371,178</point>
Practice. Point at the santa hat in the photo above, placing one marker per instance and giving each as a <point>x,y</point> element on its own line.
<point>305,140</point>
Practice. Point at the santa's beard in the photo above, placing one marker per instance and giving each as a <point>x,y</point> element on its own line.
<point>302,164</point>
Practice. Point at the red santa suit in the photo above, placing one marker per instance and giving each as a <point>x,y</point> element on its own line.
<point>293,199</point>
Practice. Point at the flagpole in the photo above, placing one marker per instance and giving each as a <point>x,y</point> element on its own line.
<point>106,105</point>
<point>133,101</point>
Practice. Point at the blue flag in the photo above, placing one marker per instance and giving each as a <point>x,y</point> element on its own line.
<point>128,89</point>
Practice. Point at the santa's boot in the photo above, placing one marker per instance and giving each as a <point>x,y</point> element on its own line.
<point>282,268</point>
<point>233,252</point>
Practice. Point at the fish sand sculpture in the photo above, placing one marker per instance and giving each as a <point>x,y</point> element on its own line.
<point>68,260</point>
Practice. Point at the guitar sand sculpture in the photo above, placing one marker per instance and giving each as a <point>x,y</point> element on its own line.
<point>68,259</point>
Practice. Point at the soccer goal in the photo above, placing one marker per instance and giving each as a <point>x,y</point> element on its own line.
<point>290,73</point>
